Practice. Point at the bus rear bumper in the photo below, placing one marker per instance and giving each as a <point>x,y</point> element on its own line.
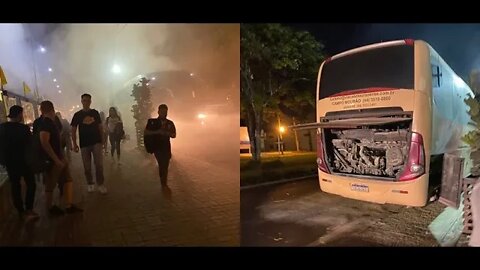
<point>408,193</point>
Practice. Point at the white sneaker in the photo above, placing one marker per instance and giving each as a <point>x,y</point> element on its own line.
<point>102,189</point>
<point>91,188</point>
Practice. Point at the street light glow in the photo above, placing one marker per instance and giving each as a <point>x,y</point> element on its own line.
<point>58,86</point>
<point>50,69</point>
<point>153,78</point>
<point>42,49</point>
<point>116,69</point>
<point>78,106</point>
<point>55,80</point>
<point>281,129</point>
<point>201,116</point>
<point>191,74</point>
<point>59,91</point>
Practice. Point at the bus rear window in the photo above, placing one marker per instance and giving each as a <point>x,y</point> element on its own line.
<point>387,67</point>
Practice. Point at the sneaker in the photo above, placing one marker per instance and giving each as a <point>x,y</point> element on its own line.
<point>102,189</point>
<point>73,209</point>
<point>91,188</point>
<point>56,211</point>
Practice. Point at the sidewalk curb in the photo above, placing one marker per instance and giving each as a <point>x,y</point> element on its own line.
<point>278,182</point>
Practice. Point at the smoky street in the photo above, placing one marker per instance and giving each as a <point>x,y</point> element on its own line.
<point>201,207</point>
<point>112,81</point>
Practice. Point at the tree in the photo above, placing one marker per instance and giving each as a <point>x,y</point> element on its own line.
<point>472,138</point>
<point>143,109</point>
<point>274,61</point>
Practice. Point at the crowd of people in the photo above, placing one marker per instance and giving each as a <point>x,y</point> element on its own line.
<point>46,151</point>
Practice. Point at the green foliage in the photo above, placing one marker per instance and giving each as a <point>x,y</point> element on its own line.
<point>278,69</point>
<point>142,110</point>
<point>472,138</point>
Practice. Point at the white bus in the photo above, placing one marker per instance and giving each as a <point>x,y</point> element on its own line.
<point>386,114</point>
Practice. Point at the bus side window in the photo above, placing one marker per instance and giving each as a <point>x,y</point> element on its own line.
<point>436,76</point>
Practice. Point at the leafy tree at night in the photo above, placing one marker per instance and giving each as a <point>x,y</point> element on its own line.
<point>142,110</point>
<point>472,138</point>
<point>277,65</point>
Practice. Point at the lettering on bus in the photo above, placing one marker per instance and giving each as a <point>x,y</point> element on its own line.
<point>363,100</point>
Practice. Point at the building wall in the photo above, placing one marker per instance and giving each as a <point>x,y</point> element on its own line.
<point>306,138</point>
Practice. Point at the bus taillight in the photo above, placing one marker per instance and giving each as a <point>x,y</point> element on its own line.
<point>415,166</point>
<point>409,42</point>
<point>321,162</point>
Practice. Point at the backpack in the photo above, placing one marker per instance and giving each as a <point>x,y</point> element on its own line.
<point>151,141</point>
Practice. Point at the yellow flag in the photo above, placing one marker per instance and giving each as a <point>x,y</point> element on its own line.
<point>26,89</point>
<point>3,79</point>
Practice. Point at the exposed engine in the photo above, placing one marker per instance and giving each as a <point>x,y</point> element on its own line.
<point>376,152</point>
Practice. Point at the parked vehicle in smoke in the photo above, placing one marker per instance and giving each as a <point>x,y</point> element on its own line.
<point>210,113</point>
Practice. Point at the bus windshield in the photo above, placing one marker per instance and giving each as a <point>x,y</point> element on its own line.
<point>386,67</point>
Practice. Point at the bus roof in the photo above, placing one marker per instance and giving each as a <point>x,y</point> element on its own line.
<point>372,46</point>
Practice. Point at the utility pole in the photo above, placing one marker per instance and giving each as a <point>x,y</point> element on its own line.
<point>296,136</point>
<point>32,50</point>
<point>280,137</point>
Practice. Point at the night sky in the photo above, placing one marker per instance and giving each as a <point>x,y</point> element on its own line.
<point>458,44</point>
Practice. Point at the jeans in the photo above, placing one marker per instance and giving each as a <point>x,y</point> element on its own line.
<point>163,161</point>
<point>15,174</point>
<point>115,143</point>
<point>96,152</point>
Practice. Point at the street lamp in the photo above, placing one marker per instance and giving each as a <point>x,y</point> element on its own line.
<point>58,86</point>
<point>59,91</point>
<point>42,49</point>
<point>116,69</point>
<point>281,130</point>
<point>54,80</point>
<point>153,78</point>
<point>50,69</point>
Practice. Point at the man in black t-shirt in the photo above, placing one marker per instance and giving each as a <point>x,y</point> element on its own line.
<point>15,142</point>
<point>57,170</point>
<point>90,129</point>
<point>159,131</point>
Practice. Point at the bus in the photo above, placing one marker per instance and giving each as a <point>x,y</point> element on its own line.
<point>30,107</point>
<point>386,115</point>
